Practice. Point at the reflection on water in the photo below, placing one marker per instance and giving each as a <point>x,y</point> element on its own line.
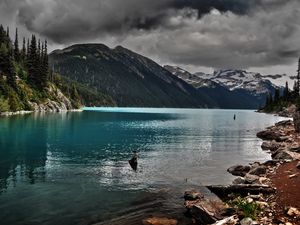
<point>72,168</point>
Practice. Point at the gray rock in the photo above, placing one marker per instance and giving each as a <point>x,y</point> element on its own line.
<point>284,123</point>
<point>251,179</point>
<point>259,170</point>
<point>282,155</point>
<point>239,170</point>
<point>246,221</point>
<point>239,180</point>
<point>268,135</point>
<point>205,211</point>
<point>271,163</point>
<point>282,138</point>
<point>295,148</point>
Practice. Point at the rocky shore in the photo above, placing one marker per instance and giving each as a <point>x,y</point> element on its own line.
<point>263,193</point>
<point>60,104</point>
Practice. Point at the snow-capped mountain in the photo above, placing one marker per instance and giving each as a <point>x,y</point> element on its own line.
<point>251,81</point>
<point>247,89</point>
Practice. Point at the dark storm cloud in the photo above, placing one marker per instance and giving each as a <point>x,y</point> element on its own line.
<point>210,33</point>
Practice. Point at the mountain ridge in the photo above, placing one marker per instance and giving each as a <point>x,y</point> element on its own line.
<point>230,88</point>
<point>128,77</point>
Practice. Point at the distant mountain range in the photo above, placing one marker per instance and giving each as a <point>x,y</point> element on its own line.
<point>233,88</point>
<point>129,78</point>
<point>132,80</point>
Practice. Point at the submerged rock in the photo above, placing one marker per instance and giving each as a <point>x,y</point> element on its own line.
<point>192,195</point>
<point>159,221</point>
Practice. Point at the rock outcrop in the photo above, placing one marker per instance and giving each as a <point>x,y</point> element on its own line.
<point>61,102</point>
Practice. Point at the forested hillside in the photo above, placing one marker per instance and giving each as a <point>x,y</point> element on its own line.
<point>27,84</point>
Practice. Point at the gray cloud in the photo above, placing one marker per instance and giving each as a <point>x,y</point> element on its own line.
<point>207,33</point>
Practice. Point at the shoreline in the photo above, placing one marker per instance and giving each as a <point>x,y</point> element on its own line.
<point>272,186</point>
<point>24,112</point>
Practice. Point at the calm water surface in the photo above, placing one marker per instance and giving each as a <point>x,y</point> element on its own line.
<point>72,168</point>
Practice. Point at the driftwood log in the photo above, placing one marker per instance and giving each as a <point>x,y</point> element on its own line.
<point>240,189</point>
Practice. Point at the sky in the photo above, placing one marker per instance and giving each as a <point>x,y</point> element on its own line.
<point>197,35</point>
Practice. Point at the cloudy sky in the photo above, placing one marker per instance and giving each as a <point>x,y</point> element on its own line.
<point>199,35</point>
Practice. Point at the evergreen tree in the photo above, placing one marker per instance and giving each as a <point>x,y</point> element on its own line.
<point>270,99</point>
<point>286,91</point>
<point>32,62</point>
<point>7,32</point>
<point>16,47</point>
<point>11,73</point>
<point>277,95</point>
<point>44,65</point>
<point>296,89</point>
<point>23,51</point>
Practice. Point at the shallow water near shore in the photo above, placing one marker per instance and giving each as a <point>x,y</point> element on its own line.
<point>72,167</point>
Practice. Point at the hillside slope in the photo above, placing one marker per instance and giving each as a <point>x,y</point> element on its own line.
<point>129,78</point>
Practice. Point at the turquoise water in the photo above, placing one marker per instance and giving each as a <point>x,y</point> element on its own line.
<point>72,168</point>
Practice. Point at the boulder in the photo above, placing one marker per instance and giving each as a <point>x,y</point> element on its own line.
<point>205,211</point>
<point>282,138</point>
<point>271,163</point>
<point>239,170</point>
<point>222,191</point>
<point>239,180</point>
<point>268,135</point>
<point>284,123</point>
<point>282,155</point>
<point>259,170</point>
<point>251,179</point>
<point>159,221</point>
<point>295,147</point>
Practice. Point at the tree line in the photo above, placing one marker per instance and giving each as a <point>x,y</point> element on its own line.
<point>32,59</point>
<point>284,98</point>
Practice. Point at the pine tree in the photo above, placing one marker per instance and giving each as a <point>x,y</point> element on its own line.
<point>16,47</point>
<point>32,62</point>
<point>23,51</point>
<point>286,92</point>
<point>7,32</point>
<point>295,89</point>
<point>277,95</point>
<point>11,73</point>
<point>45,65</point>
<point>270,99</point>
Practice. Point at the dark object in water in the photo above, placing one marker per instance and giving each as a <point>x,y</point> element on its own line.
<point>133,163</point>
<point>234,117</point>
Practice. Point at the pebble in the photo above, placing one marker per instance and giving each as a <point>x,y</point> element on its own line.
<point>293,212</point>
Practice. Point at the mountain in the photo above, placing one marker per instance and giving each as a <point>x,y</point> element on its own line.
<point>231,88</point>
<point>129,78</point>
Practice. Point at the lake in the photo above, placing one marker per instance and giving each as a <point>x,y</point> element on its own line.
<point>72,167</point>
